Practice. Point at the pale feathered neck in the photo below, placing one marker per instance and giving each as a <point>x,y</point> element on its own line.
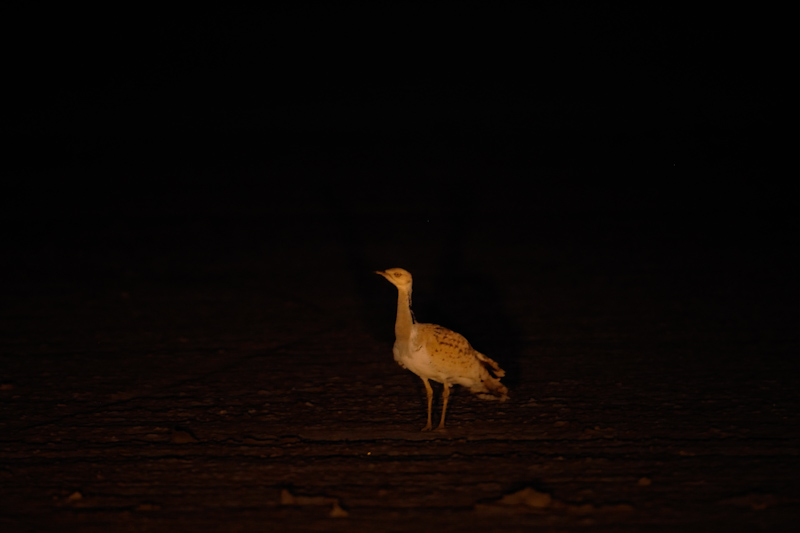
<point>405,316</point>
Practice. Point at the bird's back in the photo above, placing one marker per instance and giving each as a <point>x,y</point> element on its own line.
<point>443,355</point>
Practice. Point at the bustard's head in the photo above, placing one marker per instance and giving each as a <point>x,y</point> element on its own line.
<point>399,277</point>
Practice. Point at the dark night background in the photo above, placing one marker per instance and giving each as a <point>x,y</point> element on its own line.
<point>556,177</point>
<point>213,112</point>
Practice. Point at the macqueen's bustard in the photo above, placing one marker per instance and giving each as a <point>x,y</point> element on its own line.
<point>437,353</point>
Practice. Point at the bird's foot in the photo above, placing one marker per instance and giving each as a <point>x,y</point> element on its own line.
<point>428,427</point>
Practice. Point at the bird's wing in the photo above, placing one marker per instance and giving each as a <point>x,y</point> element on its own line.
<point>440,338</point>
<point>439,341</point>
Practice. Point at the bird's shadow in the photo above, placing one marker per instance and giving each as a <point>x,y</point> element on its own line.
<point>470,302</point>
<point>436,245</point>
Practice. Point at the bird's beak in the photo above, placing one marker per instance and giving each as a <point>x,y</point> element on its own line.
<point>385,275</point>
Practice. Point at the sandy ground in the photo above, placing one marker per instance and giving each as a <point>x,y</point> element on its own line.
<point>236,375</point>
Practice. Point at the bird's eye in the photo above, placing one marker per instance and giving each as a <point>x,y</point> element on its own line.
<point>397,274</point>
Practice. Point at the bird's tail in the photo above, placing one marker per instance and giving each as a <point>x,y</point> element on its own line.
<point>499,372</point>
<point>490,388</point>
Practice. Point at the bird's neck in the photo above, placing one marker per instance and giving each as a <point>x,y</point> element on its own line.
<point>405,317</point>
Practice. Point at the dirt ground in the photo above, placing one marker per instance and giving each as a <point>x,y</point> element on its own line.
<point>235,374</point>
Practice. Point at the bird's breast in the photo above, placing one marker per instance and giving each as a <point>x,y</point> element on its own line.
<point>416,359</point>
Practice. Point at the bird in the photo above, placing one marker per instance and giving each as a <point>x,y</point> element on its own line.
<point>434,352</point>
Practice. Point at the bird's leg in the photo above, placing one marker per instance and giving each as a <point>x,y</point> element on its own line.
<point>445,396</point>
<point>429,390</point>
